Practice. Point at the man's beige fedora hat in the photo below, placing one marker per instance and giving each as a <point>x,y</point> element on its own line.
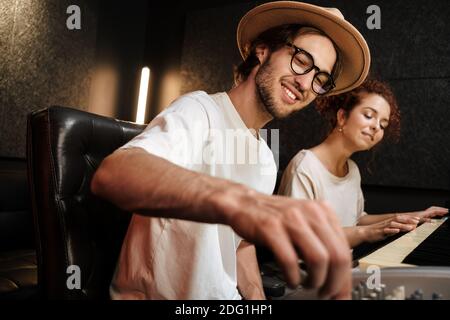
<point>353,49</point>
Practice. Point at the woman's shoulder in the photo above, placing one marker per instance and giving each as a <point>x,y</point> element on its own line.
<point>353,169</point>
<point>303,161</point>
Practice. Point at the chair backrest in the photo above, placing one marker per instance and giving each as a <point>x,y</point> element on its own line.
<point>73,227</point>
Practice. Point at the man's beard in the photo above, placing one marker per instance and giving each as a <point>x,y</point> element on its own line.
<point>265,90</point>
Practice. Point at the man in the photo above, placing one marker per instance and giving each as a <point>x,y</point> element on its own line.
<point>176,169</point>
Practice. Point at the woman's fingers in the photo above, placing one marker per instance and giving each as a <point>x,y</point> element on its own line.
<point>390,231</point>
<point>436,211</point>
<point>407,219</point>
<point>402,226</point>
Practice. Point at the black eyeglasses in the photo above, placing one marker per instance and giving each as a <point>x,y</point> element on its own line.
<point>302,62</point>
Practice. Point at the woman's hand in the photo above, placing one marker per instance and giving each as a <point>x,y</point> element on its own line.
<point>383,229</point>
<point>431,212</point>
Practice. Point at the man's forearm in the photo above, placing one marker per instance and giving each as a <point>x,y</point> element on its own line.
<point>248,274</point>
<point>137,181</point>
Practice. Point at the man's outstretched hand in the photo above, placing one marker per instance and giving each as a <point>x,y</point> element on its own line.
<point>294,229</point>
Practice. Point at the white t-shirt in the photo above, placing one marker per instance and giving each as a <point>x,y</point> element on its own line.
<point>177,259</point>
<point>306,177</point>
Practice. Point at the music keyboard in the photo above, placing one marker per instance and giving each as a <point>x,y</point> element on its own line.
<point>394,253</point>
<point>414,265</point>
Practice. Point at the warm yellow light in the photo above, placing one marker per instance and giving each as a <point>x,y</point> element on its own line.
<point>143,90</point>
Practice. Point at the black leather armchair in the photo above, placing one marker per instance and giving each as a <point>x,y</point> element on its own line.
<point>18,269</point>
<point>73,227</point>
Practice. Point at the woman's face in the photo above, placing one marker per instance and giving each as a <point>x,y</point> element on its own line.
<point>364,127</point>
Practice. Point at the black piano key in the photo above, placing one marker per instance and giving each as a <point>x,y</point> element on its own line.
<point>434,250</point>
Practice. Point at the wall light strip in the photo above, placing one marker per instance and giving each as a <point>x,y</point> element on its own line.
<point>143,90</point>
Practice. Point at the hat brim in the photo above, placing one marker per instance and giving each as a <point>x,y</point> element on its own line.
<point>353,49</point>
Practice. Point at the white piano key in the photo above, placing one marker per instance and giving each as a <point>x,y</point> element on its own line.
<point>392,254</point>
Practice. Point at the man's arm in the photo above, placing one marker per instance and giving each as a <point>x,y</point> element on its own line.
<point>140,182</point>
<point>249,280</point>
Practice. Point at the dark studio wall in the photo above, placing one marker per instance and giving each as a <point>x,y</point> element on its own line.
<point>43,63</point>
<point>411,52</point>
<point>167,28</point>
<point>120,56</point>
<point>97,68</point>
<point>192,46</point>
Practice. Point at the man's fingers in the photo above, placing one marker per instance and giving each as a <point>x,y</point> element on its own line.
<point>329,231</point>
<point>345,293</point>
<point>314,254</point>
<point>308,230</point>
<point>339,274</point>
<point>281,246</point>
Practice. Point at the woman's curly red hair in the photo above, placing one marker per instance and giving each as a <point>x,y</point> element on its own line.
<point>328,106</point>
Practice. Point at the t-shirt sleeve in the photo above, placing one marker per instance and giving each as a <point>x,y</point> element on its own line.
<point>237,239</point>
<point>177,134</point>
<point>360,205</point>
<point>297,184</point>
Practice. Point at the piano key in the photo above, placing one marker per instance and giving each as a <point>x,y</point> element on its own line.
<point>394,253</point>
<point>434,251</point>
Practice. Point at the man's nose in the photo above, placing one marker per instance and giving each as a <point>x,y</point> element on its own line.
<point>305,80</point>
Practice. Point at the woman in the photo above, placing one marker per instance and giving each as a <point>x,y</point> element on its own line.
<point>359,120</point>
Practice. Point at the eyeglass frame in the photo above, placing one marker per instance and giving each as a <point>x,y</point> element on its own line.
<point>298,50</point>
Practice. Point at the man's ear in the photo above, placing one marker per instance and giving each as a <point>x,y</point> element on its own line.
<point>262,53</point>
